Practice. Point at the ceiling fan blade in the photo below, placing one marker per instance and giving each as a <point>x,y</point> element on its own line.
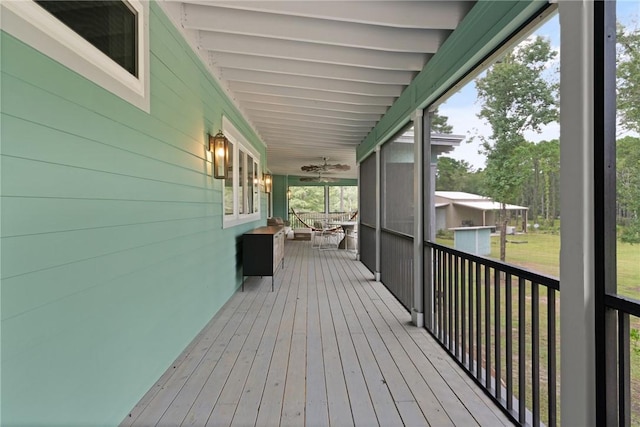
<point>339,167</point>
<point>325,168</point>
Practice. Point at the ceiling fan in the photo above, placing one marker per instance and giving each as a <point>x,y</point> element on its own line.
<point>325,167</point>
<point>319,178</point>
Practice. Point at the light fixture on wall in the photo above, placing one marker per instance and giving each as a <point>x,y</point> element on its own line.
<point>219,147</point>
<point>267,178</point>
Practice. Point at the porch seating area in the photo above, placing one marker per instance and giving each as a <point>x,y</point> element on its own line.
<point>329,347</point>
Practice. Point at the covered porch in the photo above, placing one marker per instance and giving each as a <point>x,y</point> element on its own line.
<point>329,346</point>
<point>122,228</point>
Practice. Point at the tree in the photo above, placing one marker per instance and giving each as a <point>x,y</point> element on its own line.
<point>628,148</point>
<point>628,76</point>
<point>515,97</point>
<point>307,198</point>
<point>439,123</point>
<point>451,174</point>
<point>458,175</point>
<point>628,187</point>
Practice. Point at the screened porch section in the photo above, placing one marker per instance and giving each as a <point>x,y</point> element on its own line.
<point>329,347</point>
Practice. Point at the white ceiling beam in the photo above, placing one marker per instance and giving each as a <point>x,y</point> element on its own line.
<point>306,154</point>
<point>303,82</point>
<point>251,107</point>
<point>317,134</point>
<point>345,155</point>
<point>307,142</point>
<point>269,100</point>
<point>274,48</point>
<point>402,14</point>
<point>311,94</point>
<point>302,127</point>
<point>234,21</point>
<point>289,118</point>
<point>311,69</point>
<point>283,135</point>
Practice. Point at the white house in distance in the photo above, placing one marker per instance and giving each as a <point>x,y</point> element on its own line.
<point>459,209</point>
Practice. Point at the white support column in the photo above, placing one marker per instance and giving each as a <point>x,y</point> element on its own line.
<point>378,213</point>
<point>429,215</point>
<point>359,216</point>
<point>577,284</point>
<point>417,311</point>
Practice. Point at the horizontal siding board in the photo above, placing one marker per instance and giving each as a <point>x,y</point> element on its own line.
<point>41,251</point>
<point>33,141</point>
<point>23,100</point>
<point>28,216</point>
<point>50,359</point>
<point>33,290</point>
<point>74,182</point>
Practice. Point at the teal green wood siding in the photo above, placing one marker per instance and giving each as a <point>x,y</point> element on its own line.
<point>279,196</point>
<point>113,255</point>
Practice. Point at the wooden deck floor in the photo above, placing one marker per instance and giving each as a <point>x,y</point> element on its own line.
<point>329,347</point>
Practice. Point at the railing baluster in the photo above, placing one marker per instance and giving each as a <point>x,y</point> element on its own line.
<point>463,310</point>
<point>456,302</point>
<point>535,352</point>
<point>522,391</point>
<point>439,294</point>
<point>497,340</point>
<point>509,341</point>
<point>470,283</point>
<point>450,301</point>
<point>487,326</point>
<point>478,324</point>
<point>551,354</point>
<point>624,373</point>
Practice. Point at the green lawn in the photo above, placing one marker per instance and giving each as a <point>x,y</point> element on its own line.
<point>541,253</point>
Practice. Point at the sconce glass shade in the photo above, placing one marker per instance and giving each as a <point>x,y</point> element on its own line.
<point>219,147</point>
<point>267,183</point>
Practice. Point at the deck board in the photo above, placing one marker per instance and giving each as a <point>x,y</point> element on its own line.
<point>329,347</point>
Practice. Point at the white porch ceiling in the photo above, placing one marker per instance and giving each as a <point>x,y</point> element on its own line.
<point>314,77</point>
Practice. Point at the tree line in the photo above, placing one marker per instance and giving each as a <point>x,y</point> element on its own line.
<point>519,94</point>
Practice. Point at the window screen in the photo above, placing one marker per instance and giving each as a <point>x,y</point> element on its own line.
<point>396,182</point>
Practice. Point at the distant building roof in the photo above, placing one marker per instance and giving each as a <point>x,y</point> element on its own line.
<point>474,201</point>
<point>488,205</point>
<point>459,195</point>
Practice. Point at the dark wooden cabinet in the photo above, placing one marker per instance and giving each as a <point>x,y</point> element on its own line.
<point>262,252</point>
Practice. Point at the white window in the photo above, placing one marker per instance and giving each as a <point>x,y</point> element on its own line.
<point>107,42</point>
<point>242,185</point>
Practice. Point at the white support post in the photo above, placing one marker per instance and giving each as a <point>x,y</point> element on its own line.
<point>378,222</point>
<point>357,227</point>
<point>417,311</point>
<point>577,283</point>
<point>429,216</point>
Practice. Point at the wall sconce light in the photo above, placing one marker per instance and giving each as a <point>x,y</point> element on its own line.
<point>267,182</point>
<point>219,147</point>
<point>289,193</point>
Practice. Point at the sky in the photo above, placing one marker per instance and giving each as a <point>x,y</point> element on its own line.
<point>463,107</point>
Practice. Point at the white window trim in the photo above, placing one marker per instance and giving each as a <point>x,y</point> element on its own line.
<point>239,143</point>
<point>33,25</point>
